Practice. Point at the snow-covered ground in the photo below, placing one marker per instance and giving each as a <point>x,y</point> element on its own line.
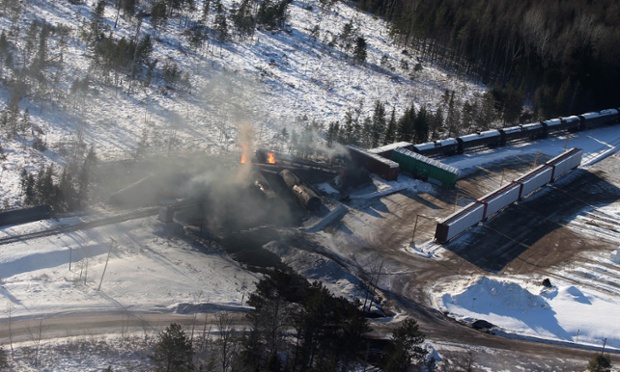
<point>150,270</point>
<point>269,81</point>
<point>272,81</point>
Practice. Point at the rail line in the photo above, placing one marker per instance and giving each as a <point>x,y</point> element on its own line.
<point>144,212</point>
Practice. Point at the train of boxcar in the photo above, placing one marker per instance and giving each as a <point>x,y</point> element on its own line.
<point>501,198</point>
<point>501,137</point>
<point>25,215</point>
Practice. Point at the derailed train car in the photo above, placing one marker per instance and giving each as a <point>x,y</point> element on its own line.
<point>501,198</point>
<point>306,197</point>
<point>374,163</point>
<point>25,215</point>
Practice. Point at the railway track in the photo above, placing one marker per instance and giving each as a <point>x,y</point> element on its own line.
<point>108,220</point>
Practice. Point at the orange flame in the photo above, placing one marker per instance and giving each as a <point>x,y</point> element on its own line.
<point>271,158</point>
<point>244,157</point>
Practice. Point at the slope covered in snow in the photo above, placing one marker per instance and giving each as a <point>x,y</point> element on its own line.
<point>271,81</point>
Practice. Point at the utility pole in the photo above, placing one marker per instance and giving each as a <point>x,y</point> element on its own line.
<point>456,201</point>
<point>568,137</point>
<point>112,244</point>
<point>535,159</point>
<point>415,226</point>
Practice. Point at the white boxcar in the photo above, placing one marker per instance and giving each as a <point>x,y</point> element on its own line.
<point>534,180</point>
<point>500,198</point>
<point>565,162</point>
<point>459,222</point>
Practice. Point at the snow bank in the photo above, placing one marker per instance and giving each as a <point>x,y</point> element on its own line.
<point>566,313</point>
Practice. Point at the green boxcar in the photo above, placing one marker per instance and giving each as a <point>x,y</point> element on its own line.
<point>425,168</point>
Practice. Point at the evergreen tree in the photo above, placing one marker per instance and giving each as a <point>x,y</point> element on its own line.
<point>420,126</point>
<point>221,25</point>
<point>405,125</point>
<point>436,123</point>
<point>378,123</point>
<point>206,4</point>
<point>390,131</point>
<point>3,154</point>
<point>129,7</point>
<point>159,13</point>
<point>513,105</point>
<point>85,174</point>
<point>360,50</point>
<point>243,19</point>
<point>453,115</point>
<point>333,133</point>
<point>599,363</point>
<point>346,34</point>
<point>272,14</point>
<point>468,115</point>
<point>4,360</point>
<point>66,192</point>
<point>173,350</point>
<point>405,347</point>
<point>272,316</point>
<point>367,133</point>
<point>24,123</point>
<point>96,22</point>
<point>348,135</point>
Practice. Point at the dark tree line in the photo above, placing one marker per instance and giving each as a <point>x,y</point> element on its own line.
<point>64,192</point>
<point>294,326</point>
<point>562,55</point>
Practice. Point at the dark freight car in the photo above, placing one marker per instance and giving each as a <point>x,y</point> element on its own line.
<point>374,163</point>
<point>307,198</point>
<point>25,215</point>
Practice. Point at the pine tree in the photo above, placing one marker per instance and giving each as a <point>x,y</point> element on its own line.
<point>599,363</point>
<point>367,133</point>
<point>272,14</point>
<point>24,123</point>
<point>405,347</point>
<point>96,23</point>
<point>220,23</point>
<point>159,14</point>
<point>332,133</point>
<point>390,131</point>
<point>360,50</point>
<point>420,126</point>
<point>85,174</point>
<point>378,123</point>
<point>3,154</point>
<point>243,19</point>
<point>206,4</point>
<point>405,125</point>
<point>173,350</point>
<point>346,34</point>
<point>4,360</point>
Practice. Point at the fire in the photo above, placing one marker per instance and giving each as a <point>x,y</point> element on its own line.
<point>244,156</point>
<point>271,158</point>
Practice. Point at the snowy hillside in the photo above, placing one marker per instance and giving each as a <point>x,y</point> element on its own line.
<point>271,81</point>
